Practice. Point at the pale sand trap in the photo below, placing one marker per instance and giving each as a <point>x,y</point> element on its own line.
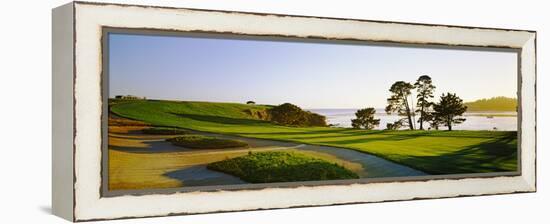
<point>140,161</point>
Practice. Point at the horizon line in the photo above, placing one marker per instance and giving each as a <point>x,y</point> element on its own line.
<point>256,103</point>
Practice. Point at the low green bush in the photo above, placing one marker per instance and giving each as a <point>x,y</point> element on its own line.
<point>205,142</point>
<point>164,131</point>
<point>268,167</point>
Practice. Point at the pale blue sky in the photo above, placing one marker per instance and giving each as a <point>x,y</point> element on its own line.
<point>311,75</point>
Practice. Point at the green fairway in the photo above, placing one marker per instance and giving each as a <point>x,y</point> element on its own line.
<point>269,167</point>
<point>434,152</point>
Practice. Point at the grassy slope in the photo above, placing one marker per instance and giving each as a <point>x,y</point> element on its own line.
<point>435,152</point>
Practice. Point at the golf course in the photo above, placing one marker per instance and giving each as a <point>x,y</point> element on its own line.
<point>196,111</point>
<point>144,159</point>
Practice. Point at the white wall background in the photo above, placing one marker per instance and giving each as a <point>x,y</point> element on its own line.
<point>25,112</point>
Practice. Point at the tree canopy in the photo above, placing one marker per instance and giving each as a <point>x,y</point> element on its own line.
<point>449,109</point>
<point>365,119</point>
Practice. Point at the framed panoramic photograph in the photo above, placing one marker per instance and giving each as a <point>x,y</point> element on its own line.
<point>164,111</point>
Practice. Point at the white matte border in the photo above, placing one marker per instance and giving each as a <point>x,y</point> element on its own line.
<point>90,18</point>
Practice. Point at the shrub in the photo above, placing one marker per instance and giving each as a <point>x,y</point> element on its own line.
<point>287,114</point>
<point>164,131</point>
<point>365,119</point>
<point>290,114</point>
<point>268,167</point>
<point>205,142</point>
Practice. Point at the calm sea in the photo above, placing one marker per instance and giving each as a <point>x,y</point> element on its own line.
<point>474,121</point>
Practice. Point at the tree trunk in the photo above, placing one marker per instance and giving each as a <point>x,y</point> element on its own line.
<point>421,117</point>
<point>408,109</point>
<point>449,123</point>
<point>410,121</point>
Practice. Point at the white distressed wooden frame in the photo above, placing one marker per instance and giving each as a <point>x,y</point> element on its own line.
<point>77,33</point>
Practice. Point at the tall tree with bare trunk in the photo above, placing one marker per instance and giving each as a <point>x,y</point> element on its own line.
<point>399,103</point>
<point>425,92</point>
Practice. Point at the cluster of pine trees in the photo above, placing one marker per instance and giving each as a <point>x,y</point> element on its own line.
<point>447,112</point>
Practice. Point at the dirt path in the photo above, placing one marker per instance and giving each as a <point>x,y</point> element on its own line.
<point>138,161</point>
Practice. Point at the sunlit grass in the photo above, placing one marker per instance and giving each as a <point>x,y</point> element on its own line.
<point>434,152</point>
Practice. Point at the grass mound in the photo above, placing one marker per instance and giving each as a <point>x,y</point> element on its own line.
<point>205,142</point>
<point>268,167</point>
<point>164,131</point>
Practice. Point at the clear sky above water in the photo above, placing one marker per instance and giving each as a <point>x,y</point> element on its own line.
<point>310,75</point>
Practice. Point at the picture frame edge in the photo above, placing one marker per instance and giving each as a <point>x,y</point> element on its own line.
<point>529,181</point>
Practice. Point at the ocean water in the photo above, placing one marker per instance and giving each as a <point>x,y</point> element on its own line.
<point>474,121</point>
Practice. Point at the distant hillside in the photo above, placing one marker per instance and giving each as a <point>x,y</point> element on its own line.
<point>499,103</point>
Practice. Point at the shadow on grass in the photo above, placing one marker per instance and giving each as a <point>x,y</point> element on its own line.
<point>301,131</point>
<point>452,134</point>
<point>405,135</point>
<point>158,146</point>
<point>336,134</point>
<point>348,132</point>
<point>222,120</point>
<point>201,176</point>
<point>499,155</point>
<point>372,139</point>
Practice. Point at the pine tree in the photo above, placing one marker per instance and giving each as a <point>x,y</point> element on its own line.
<point>449,109</point>
<point>398,101</point>
<point>425,91</point>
